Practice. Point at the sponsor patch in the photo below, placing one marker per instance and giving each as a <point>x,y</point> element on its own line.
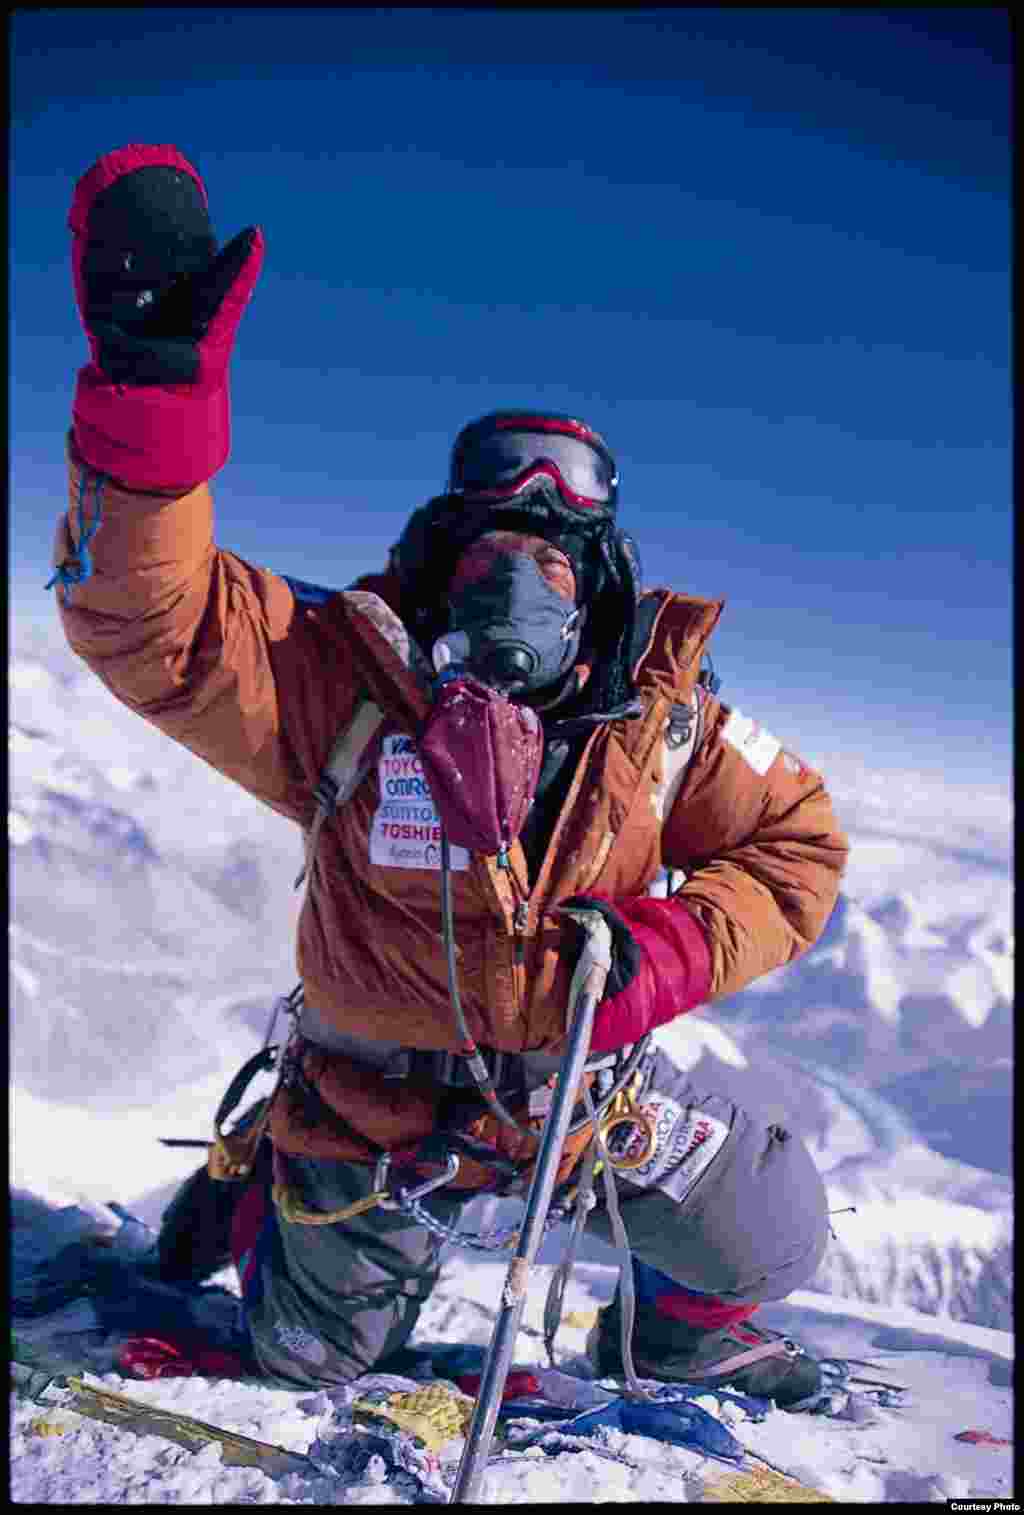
<point>686,1139</point>
<point>406,829</point>
<point>755,745</point>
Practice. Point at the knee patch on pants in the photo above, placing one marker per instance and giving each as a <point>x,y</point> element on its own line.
<point>747,1226</point>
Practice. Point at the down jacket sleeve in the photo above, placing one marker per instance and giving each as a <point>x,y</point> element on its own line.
<point>215,653</point>
<point>761,846</point>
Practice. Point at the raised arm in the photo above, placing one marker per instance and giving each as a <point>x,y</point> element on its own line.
<point>214,652</point>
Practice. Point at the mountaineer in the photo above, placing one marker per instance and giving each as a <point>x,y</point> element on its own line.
<point>544,736</point>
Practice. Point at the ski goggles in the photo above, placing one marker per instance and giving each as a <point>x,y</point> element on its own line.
<point>503,461</point>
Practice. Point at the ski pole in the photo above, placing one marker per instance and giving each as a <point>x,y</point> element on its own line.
<point>586,993</point>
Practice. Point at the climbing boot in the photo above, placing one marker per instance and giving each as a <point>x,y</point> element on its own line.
<point>745,1357</point>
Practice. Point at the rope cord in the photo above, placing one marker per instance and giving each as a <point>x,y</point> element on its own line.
<point>76,569</point>
<point>477,1066</point>
<point>586,1199</point>
<point>627,1289</point>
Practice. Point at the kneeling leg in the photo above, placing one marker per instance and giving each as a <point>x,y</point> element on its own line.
<point>727,1212</point>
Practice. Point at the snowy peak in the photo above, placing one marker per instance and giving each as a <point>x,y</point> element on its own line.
<point>59,817</point>
<point>903,919</point>
<point>142,885</point>
<point>897,977</point>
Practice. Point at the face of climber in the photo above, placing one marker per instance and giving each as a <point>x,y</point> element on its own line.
<point>488,551</point>
<point>513,596</point>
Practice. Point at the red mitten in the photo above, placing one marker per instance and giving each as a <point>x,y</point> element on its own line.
<point>661,966</point>
<point>160,307</point>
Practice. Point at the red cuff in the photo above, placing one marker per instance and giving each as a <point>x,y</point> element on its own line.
<point>674,974</point>
<point>155,439</point>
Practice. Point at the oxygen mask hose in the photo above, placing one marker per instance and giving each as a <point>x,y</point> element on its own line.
<point>469,1049</point>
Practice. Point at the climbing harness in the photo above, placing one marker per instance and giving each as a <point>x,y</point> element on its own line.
<point>232,1154</point>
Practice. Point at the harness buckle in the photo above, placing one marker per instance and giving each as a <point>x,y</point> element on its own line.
<point>232,1154</point>
<point>453,1071</point>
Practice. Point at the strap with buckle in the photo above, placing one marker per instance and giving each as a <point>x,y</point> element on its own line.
<point>232,1153</point>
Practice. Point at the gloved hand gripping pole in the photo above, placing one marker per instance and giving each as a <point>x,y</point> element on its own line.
<point>586,993</point>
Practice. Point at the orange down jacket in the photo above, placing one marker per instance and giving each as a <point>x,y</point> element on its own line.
<point>221,657</point>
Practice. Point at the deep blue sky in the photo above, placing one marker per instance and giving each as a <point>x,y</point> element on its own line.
<point>766,252</point>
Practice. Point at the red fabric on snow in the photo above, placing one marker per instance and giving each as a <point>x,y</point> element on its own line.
<point>982,1438</point>
<point>184,1356</point>
<point>515,1384</point>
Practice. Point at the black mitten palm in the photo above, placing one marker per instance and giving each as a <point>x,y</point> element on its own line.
<point>160,307</point>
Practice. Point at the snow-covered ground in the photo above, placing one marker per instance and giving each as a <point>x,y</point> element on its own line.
<point>957,1375</point>
<point>152,927</point>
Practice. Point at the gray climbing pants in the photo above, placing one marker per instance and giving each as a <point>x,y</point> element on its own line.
<point>727,1204</point>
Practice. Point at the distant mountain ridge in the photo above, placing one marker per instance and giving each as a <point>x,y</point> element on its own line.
<point>142,886</point>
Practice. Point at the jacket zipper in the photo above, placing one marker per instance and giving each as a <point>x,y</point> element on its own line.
<point>520,921</point>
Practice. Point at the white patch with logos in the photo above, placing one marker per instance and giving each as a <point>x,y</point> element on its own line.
<point>406,829</point>
<point>686,1140</point>
<point>755,745</point>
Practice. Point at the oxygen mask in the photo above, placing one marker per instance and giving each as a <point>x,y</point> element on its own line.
<point>515,630</point>
<point>514,621</point>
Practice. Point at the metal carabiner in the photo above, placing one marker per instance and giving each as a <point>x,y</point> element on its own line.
<point>405,1196</point>
<point>629,1134</point>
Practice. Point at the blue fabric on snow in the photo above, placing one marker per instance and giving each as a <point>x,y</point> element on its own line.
<point>679,1422</point>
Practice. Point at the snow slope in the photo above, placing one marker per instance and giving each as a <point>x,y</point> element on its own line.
<point>958,1378</point>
